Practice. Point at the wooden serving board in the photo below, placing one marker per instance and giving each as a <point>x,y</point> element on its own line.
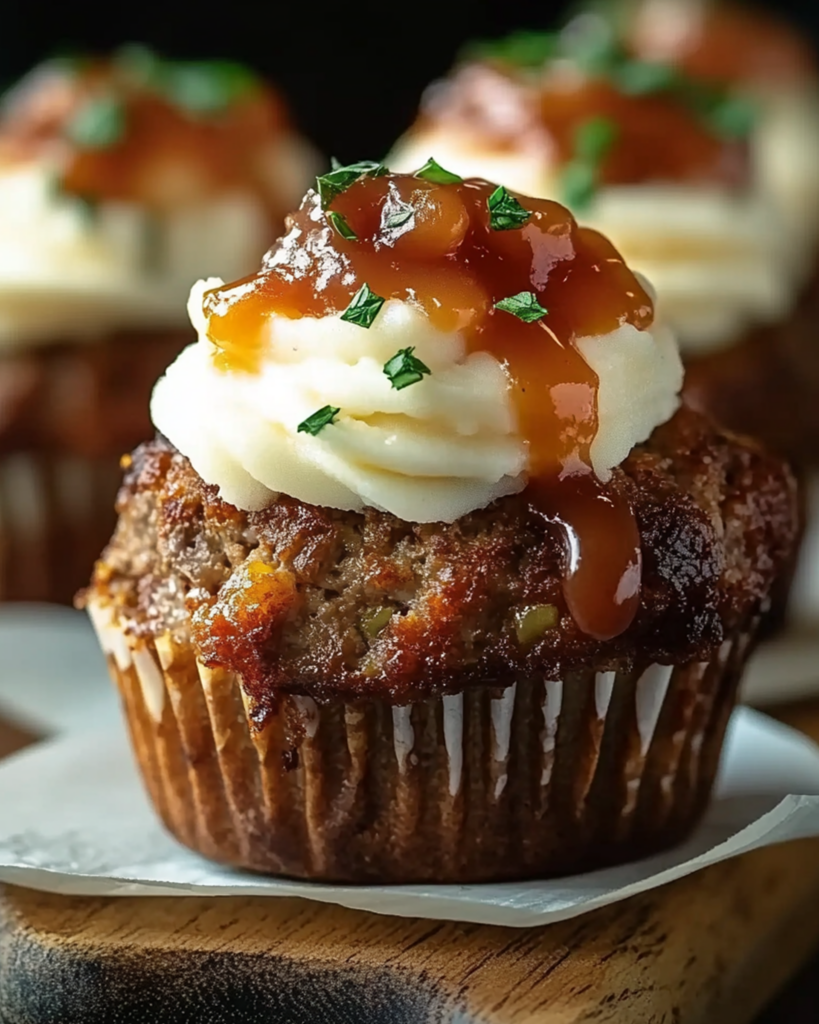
<point>714,947</point>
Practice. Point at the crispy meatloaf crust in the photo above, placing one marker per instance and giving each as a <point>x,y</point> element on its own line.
<point>316,601</point>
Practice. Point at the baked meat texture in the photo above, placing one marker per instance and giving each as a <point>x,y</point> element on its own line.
<point>313,600</point>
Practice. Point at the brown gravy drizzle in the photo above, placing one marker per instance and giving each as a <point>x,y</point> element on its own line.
<point>659,138</point>
<point>165,156</point>
<point>723,42</point>
<point>448,261</point>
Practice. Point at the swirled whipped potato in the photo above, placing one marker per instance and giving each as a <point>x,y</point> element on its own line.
<point>423,345</point>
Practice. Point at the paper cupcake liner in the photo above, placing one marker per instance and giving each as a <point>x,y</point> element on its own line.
<point>56,516</point>
<point>542,778</point>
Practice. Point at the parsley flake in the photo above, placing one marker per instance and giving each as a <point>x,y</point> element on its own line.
<point>139,64</point>
<point>98,124</point>
<point>206,87</point>
<point>67,62</point>
<point>339,179</point>
<point>593,141</point>
<point>396,214</point>
<point>592,45</point>
<point>404,369</point>
<point>432,171</point>
<point>340,226</point>
<point>505,212</point>
<point>524,49</point>
<point>524,306</point>
<point>642,78</point>
<point>732,116</point>
<point>364,307</point>
<point>318,421</point>
<point>578,184</point>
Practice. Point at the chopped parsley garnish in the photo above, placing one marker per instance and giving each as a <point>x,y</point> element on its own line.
<point>578,184</point>
<point>364,307</point>
<point>339,179</point>
<point>505,212</point>
<point>404,369</point>
<point>432,171</point>
<point>318,421</point>
<point>594,138</point>
<point>641,77</point>
<point>397,214</point>
<point>580,178</point>
<point>593,45</point>
<point>340,225</point>
<point>731,116</point>
<point>524,49</point>
<point>206,87</point>
<point>140,64</point>
<point>524,306</point>
<point>198,87</point>
<point>68,61</point>
<point>97,124</point>
<point>597,51</point>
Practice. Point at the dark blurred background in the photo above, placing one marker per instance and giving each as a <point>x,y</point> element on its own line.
<point>353,71</point>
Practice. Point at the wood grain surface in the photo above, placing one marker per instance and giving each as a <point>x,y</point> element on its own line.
<point>714,947</point>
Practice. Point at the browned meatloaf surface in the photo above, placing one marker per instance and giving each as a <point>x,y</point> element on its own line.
<point>325,602</point>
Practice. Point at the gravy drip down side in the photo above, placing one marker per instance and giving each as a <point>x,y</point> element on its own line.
<point>438,247</point>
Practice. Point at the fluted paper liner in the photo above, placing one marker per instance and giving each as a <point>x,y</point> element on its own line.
<point>541,778</point>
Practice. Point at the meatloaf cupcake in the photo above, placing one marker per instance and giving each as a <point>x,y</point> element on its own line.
<point>769,384</point>
<point>449,590</point>
<point>668,166</point>
<point>747,48</point>
<point>121,182</point>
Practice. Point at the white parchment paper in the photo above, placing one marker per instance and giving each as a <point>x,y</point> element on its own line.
<point>74,820</point>
<point>53,677</point>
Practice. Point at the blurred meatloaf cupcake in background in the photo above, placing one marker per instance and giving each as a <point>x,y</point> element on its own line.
<point>450,590</point>
<point>122,181</point>
<point>669,167</point>
<point>745,48</point>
